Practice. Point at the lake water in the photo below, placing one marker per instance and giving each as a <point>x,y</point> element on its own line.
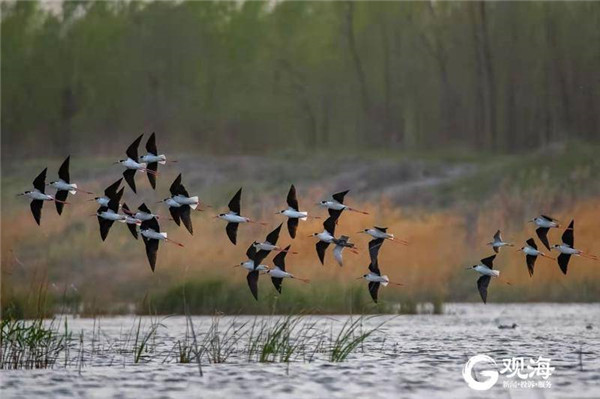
<point>419,356</point>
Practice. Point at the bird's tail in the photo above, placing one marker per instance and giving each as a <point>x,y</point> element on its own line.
<point>386,282</point>
<point>74,190</point>
<point>196,202</point>
<point>163,159</point>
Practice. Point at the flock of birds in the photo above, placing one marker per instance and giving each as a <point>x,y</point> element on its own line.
<point>181,204</point>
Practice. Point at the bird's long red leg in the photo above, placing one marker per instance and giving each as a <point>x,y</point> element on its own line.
<point>356,210</point>
<point>174,242</point>
<point>83,191</point>
<point>304,280</point>
<point>546,256</point>
<point>61,202</point>
<point>588,256</point>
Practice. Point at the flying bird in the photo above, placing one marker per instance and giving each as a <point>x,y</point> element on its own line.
<point>132,164</point>
<point>567,249</point>
<point>293,212</point>
<point>270,243</point>
<point>38,196</point>
<point>109,192</point>
<point>336,204</point>
<point>374,276</point>
<point>485,268</point>
<point>340,244</point>
<point>531,253</point>
<point>152,236</point>
<point>278,273</point>
<point>249,263</point>
<point>132,221</point>
<point>381,232</point>
<point>180,204</point>
<point>152,159</point>
<point>255,269</point>
<point>326,237</point>
<point>143,213</point>
<point>233,217</point>
<point>63,185</point>
<point>109,214</point>
<point>497,243</point>
<point>544,223</point>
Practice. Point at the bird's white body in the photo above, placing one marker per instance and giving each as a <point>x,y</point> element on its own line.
<point>325,236</point>
<point>183,200</point>
<point>36,194</point>
<point>154,235</point>
<point>567,250</point>
<point>294,214</point>
<point>249,265</point>
<point>103,201</point>
<point>234,218</point>
<point>278,273</point>
<point>486,271</point>
<point>144,216</point>
<point>374,278</point>
<point>60,184</point>
<point>499,244</point>
<point>171,203</point>
<point>379,234</point>
<point>149,158</point>
<point>266,246</point>
<point>110,215</point>
<point>336,206</point>
<point>132,220</point>
<point>131,164</point>
<point>531,251</point>
<point>541,222</point>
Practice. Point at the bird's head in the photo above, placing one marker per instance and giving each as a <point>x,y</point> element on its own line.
<point>323,202</point>
<point>221,214</point>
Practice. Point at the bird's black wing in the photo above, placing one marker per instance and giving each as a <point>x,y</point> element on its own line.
<point>151,251</point>
<point>335,214</point>
<point>186,217</point>
<point>150,224</point>
<point>277,283</point>
<point>292,224</point>
<point>151,144</point>
<point>235,203</point>
<point>175,214</point>
<point>105,224</point>
<point>111,190</point>
<point>182,191</point>
<point>61,195</point>
<point>144,208</point>
<point>563,262</point>
<point>339,197</point>
<point>568,237</point>
<point>374,267</point>
<point>231,230</point>
<point>329,225</point>
<point>113,205</point>
<point>530,259</point>
<point>497,236</point>
<point>292,201</point>
<point>252,278</point>
<point>133,229</point>
<point>152,166</point>
<point>548,218</point>
<point>495,249</point>
<point>251,252</point>
<point>489,261</point>
<point>260,256</point>
<point>273,236</point>
<point>40,181</point>
<point>374,247</point>
<point>118,195</point>
<point>542,233</point>
<point>531,243</point>
<point>321,248</point>
<point>126,209</point>
<point>482,286</point>
<point>132,150</point>
<point>374,290</point>
<point>174,189</point>
<point>279,259</point>
<point>36,210</point>
<point>63,171</point>
<point>382,229</point>
<point>129,175</point>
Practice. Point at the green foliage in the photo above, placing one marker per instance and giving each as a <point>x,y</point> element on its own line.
<point>256,76</point>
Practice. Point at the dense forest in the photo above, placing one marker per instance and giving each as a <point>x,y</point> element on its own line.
<point>258,76</point>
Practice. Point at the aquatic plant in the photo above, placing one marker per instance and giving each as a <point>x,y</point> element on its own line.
<point>350,336</point>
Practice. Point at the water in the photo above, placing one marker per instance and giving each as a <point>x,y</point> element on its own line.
<point>410,356</point>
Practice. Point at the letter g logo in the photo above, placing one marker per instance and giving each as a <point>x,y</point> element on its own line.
<point>491,374</point>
